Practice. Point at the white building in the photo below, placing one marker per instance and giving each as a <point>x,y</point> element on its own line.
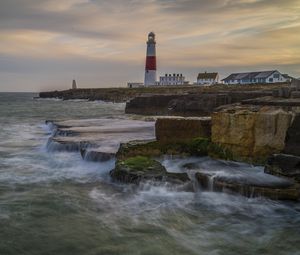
<point>172,79</point>
<point>255,77</point>
<point>135,85</point>
<point>207,78</point>
<point>74,86</point>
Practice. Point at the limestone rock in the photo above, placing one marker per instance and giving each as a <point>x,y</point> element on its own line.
<point>251,132</point>
<point>176,129</point>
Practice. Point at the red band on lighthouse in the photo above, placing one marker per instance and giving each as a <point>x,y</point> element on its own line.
<point>151,63</point>
<point>150,68</point>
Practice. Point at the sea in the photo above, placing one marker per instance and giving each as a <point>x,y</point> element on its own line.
<point>55,203</point>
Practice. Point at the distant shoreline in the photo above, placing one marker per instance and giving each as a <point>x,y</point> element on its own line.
<point>125,94</point>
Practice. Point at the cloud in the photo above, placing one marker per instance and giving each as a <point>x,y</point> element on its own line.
<point>191,35</point>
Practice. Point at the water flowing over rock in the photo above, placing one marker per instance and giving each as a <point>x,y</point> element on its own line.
<point>231,177</point>
<point>97,139</point>
<point>281,191</point>
<point>96,155</point>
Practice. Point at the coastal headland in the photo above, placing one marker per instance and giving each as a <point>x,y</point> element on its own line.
<point>124,94</point>
<point>254,125</point>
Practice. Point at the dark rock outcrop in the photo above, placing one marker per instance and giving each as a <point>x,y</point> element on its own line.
<point>201,104</point>
<point>196,105</point>
<point>292,142</point>
<point>137,169</point>
<point>278,101</point>
<point>150,105</point>
<point>284,165</point>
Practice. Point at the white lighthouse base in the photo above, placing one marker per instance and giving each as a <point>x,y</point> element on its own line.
<point>150,77</point>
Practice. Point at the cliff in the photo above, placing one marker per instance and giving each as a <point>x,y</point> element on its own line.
<point>251,132</point>
<point>201,104</point>
<point>125,94</point>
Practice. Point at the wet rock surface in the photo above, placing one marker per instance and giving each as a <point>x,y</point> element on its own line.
<point>240,178</point>
<point>284,165</point>
<point>97,139</point>
<point>96,155</point>
<point>282,191</point>
<point>137,169</point>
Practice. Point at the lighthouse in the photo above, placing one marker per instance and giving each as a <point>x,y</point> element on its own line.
<point>150,69</point>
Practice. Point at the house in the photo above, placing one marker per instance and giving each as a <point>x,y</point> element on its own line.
<point>207,78</point>
<point>255,77</point>
<point>172,79</point>
<point>288,77</point>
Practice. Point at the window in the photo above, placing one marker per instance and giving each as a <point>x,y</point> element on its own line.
<point>270,79</point>
<point>276,75</point>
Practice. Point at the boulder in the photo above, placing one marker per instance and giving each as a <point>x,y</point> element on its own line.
<point>176,129</point>
<point>250,132</point>
<point>284,165</point>
<point>139,168</point>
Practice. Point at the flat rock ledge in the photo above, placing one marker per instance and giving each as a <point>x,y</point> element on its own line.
<point>283,191</point>
<point>138,169</point>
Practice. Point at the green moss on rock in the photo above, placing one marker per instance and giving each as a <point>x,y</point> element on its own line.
<point>217,151</point>
<point>197,147</point>
<point>141,168</point>
<point>139,163</point>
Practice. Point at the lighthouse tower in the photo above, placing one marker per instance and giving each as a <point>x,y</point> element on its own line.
<point>150,69</point>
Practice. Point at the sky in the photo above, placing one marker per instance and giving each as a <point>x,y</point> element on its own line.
<point>45,44</point>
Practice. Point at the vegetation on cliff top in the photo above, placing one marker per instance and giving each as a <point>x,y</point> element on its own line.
<point>123,94</point>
